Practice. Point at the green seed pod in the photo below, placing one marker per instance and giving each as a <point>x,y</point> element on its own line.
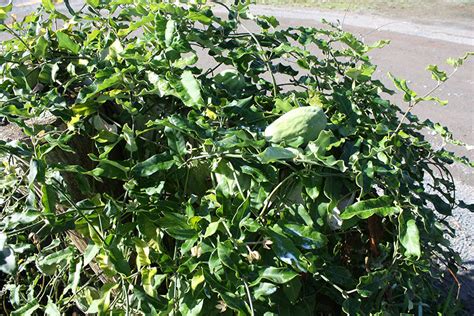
<point>299,125</point>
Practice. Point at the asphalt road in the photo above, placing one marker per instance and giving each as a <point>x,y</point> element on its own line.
<point>413,47</point>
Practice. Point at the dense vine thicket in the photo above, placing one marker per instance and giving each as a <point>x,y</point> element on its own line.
<point>144,183</point>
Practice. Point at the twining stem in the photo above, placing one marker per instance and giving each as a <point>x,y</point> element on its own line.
<point>412,105</point>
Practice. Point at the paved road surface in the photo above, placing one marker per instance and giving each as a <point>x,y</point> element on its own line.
<point>413,47</point>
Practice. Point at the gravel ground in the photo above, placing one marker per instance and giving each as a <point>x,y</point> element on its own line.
<point>463,243</point>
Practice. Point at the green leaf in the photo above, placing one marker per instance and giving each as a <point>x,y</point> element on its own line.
<point>371,283</point>
<point>110,169</point>
<point>169,32</point>
<point>382,206</point>
<point>88,92</point>
<point>129,137</point>
<point>52,309</point>
<point>458,62</point>
<point>37,172</point>
<point>89,254</point>
<point>211,229</point>
<point>305,237</point>
<point>143,253</point>
<point>28,309</point>
<point>118,260</point>
<point>264,289</point>
<point>148,303</point>
<point>285,249</point>
<point>176,225</point>
<point>5,9</point>
<point>283,105</point>
<point>75,270</point>
<point>435,99</point>
<point>152,165</point>
<point>437,74</point>
<point>101,305</point>
<point>409,236</point>
<point>401,84</point>
<point>361,73</point>
<point>190,92</point>
<point>93,3</point>
<point>176,141</point>
<point>197,279</point>
<point>313,186</point>
<point>48,5</point>
<point>199,17</point>
<point>115,49</point>
<point>272,154</point>
<point>292,289</point>
<point>66,42</point>
<point>227,254</point>
<point>276,275</point>
<point>41,47</point>
<point>232,300</point>
<point>50,263</point>
<point>191,306</point>
<point>48,199</point>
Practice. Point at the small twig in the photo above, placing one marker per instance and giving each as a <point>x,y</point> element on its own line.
<point>458,284</point>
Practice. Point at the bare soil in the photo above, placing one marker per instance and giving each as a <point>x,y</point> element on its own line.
<point>458,13</point>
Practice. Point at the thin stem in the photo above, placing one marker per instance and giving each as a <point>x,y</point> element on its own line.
<point>264,58</point>
<point>69,8</point>
<point>252,313</point>
<point>127,303</point>
<point>270,196</point>
<point>18,37</point>
<point>411,106</point>
<point>343,292</point>
<point>80,212</point>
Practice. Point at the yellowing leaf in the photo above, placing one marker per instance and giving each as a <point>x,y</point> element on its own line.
<point>197,279</point>
<point>76,118</point>
<point>143,253</point>
<point>210,114</point>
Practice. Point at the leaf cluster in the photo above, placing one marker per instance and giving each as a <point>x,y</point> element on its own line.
<point>144,184</point>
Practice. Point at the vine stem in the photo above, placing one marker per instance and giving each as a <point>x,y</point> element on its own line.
<point>412,105</point>
<point>342,291</point>
<point>270,196</point>
<point>252,313</point>
<point>99,234</point>
<point>264,58</point>
<point>18,37</point>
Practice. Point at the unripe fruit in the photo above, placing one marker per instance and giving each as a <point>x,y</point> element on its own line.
<point>300,125</point>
